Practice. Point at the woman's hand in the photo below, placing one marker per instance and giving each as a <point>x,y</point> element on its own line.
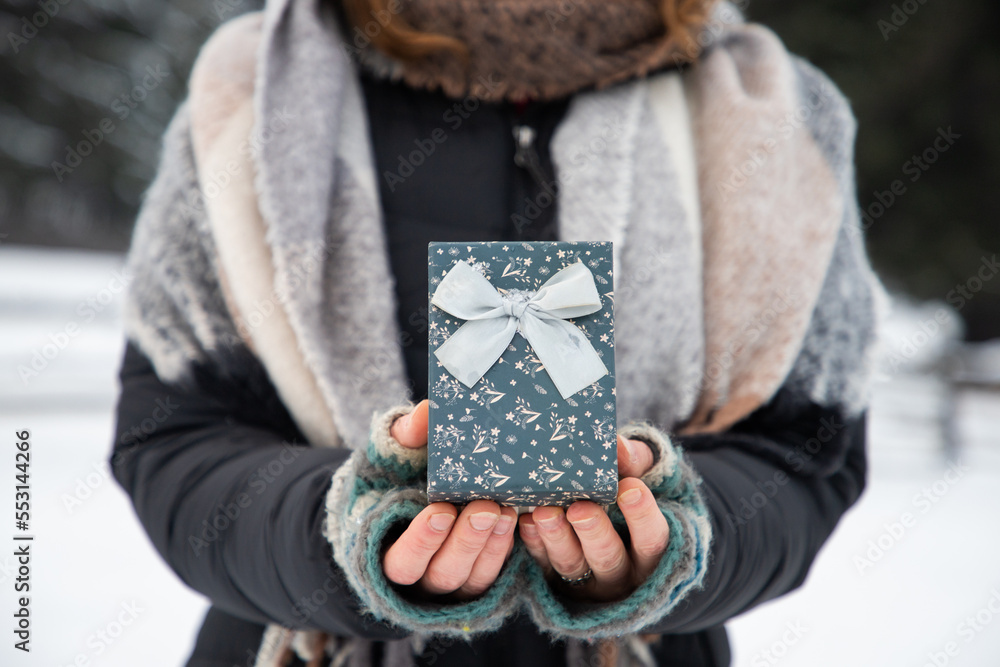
<point>442,551</point>
<point>569,544</point>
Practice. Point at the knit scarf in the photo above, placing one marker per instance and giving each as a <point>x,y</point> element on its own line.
<point>539,49</point>
<point>725,190</point>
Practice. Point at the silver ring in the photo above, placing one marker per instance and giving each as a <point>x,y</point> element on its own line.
<point>581,580</point>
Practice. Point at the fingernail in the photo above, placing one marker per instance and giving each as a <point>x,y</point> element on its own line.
<point>630,497</point>
<point>583,523</point>
<point>633,455</point>
<point>441,522</point>
<point>549,523</point>
<point>529,529</point>
<point>398,423</point>
<point>503,525</point>
<point>483,520</point>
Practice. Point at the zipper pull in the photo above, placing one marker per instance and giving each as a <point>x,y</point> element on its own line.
<point>525,155</point>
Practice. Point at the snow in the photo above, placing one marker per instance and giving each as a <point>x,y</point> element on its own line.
<point>100,595</point>
<point>911,577</point>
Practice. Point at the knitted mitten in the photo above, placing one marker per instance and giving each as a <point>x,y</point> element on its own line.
<point>682,567</point>
<point>381,488</point>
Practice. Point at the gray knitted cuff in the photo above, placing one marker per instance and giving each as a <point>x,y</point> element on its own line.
<point>665,456</point>
<point>385,457</point>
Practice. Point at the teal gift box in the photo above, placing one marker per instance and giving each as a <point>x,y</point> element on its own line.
<point>522,373</point>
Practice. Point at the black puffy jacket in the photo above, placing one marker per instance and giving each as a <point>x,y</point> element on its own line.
<point>223,436</point>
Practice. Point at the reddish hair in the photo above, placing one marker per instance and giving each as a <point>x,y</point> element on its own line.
<point>395,37</point>
<point>682,18</point>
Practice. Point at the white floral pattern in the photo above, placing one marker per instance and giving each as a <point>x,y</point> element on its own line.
<point>511,437</point>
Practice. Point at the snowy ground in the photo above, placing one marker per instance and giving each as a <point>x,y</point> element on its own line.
<point>912,576</point>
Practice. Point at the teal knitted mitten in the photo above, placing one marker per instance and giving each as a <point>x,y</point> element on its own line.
<point>381,488</point>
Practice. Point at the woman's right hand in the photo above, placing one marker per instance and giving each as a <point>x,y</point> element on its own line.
<point>443,551</point>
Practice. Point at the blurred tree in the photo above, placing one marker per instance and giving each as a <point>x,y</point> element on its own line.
<point>88,87</point>
<point>913,70</point>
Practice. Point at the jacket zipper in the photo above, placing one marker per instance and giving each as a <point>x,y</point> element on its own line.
<point>525,155</point>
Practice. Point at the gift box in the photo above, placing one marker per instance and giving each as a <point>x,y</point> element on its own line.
<point>522,373</point>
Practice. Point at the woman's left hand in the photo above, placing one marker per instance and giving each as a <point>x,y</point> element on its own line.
<point>580,539</point>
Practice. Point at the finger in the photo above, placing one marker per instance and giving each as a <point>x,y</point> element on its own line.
<point>406,560</point>
<point>635,458</point>
<point>647,526</point>
<point>533,542</point>
<point>491,559</point>
<point>561,544</point>
<point>451,566</point>
<point>602,547</point>
<point>410,430</point>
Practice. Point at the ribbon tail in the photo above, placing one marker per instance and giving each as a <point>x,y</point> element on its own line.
<point>475,347</point>
<point>570,360</point>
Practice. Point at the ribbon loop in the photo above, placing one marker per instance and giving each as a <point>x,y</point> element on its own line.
<point>492,319</point>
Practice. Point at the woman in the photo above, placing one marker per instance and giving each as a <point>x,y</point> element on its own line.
<point>277,327</point>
